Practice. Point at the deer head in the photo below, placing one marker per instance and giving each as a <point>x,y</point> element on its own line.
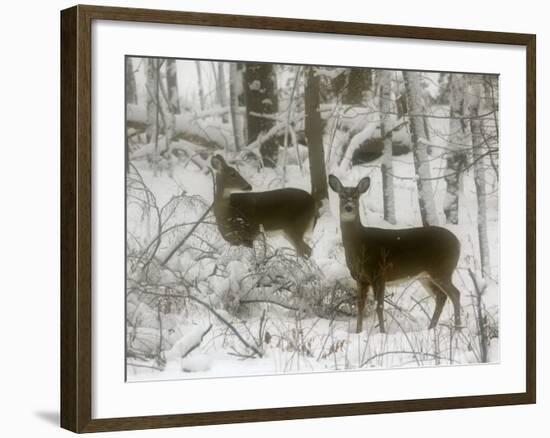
<point>228,180</point>
<point>349,197</point>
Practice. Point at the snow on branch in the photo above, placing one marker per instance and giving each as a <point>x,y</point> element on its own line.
<point>189,342</point>
<point>357,140</point>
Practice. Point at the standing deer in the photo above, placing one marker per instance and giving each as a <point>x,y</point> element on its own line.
<point>241,216</point>
<point>377,257</point>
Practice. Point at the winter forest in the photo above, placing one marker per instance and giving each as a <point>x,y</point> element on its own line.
<point>297,218</point>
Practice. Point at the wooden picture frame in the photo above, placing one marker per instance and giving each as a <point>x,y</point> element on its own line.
<point>76,217</point>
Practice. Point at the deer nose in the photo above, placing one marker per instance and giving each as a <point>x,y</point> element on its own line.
<point>348,208</point>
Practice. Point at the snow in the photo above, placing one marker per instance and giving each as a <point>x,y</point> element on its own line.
<point>187,342</point>
<point>283,305</point>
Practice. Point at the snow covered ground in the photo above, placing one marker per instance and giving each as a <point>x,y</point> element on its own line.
<point>215,310</point>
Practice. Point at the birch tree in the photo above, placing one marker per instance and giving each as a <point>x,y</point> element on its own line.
<point>200,85</point>
<point>153,109</point>
<point>415,107</point>
<point>314,136</point>
<point>131,89</point>
<point>261,108</point>
<point>152,78</point>
<point>479,159</point>
<point>172,86</point>
<point>490,130</point>
<point>222,92</point>
<point>131,99</point>
<point>386,166</point>
<point>235,89</point>
<point>455,146</point>
<point>171,108</point>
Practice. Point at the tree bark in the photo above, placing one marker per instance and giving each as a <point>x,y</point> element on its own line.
<point>131,99</point>
<point>314,137</point>
<point>201,85</point>
<point>491,90</point>
<point>455,153</point>
<point>152,91</point>
<point>131,89</point>
<point>235,85</point>
<point>172,85</point>
<point>386,165</point>
<point>222,92</point>
<point>479,159</point>
<point>415,107</point>
<point>261,108</point>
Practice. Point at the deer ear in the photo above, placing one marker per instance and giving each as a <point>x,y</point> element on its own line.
<point>334,183</point>
<point>217,162</point>
<point>363,185</point>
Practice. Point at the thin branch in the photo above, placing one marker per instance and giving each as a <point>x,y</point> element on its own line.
<point>194,346</point>
<point>414,353</point>
<point>251,301</point>
<point>228,324</point>
<point>179,245</point>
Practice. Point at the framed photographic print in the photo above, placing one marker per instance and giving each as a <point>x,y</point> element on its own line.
<point>306,207</point>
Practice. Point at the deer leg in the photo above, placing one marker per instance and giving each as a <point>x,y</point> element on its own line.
<point>440,298</point>
<point>302,248</point>
<point>447,286</point>
<point>264,241</point>
<point>379,287</point>
<point>297,240</point>
<point>362,290</point>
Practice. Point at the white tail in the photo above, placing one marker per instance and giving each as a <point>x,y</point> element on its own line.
<point>240,216</point>
<point>377,256</point>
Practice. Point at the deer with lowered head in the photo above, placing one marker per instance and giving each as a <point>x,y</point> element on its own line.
<point>377,257</point>
<point>242,214</point>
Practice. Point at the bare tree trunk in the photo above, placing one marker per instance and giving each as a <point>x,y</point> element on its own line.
<point>169,105</point>
<point>222,92</point>
<point>490,83</point>
<point>314,137</point>
<point>152,107</point>
<point>156,157</point>
<point>421,160</point>
<point>261,108</point>
<point>456,151</point>
<point>172,85</point>
<point>235,86</point>
<point>131,99</point>
<point>491,134</point>
<point>131,89</point>
<point>289,131</point>
<point>201,85</point>
<point>479,160</point>
<point>386,166</point>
